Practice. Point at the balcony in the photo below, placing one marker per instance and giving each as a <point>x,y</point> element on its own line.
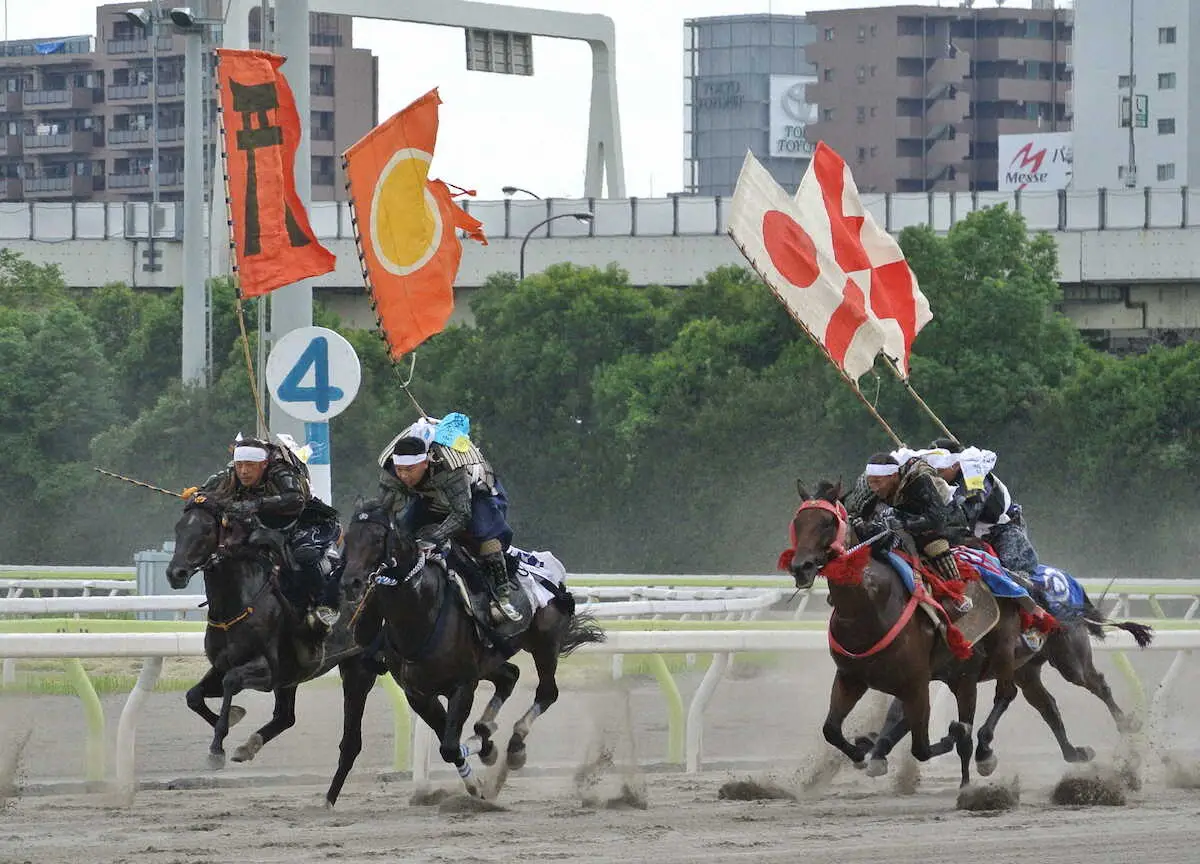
<point>73,98</point>
<point>170,90</point>
<point>134,139</point>
<point>137,46</point>
<point>128,93</point>
<point>65,142</point>
<point>1019,90</point>
<point>10,145</point>
<point>142,181</point>
<point>1013,48</point>
<point>323,179</point>
<point>73,186</point>
<point>949,110</point>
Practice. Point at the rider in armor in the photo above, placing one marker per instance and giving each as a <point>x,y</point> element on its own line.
<point>992,514</point>
<point>268,481</point>
<point>990,509</point>
<point>441,493</point>
<point>921,506</point>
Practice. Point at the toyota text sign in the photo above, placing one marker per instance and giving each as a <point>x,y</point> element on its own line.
<point>790,115</point>
<point>1039,162</point>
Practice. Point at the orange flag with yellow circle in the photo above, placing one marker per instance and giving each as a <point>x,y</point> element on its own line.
<point>406,225</point>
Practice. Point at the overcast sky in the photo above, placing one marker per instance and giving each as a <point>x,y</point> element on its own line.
<point>501,130</point>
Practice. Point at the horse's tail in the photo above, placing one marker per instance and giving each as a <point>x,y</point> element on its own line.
<point>580,629</point>
<point>1143,634</point>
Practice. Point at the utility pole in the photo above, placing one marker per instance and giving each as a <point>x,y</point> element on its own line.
<point>1131,171</point>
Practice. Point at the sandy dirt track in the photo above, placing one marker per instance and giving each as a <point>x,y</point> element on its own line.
<point>549,815</point>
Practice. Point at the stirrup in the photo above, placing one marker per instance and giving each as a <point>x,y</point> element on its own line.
<point>327,615</point>
<point>504,607</point>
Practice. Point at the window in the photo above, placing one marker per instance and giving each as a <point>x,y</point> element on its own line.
<point>874,150</point>
<point>872,31</point>
<point>827,115</point>
<point>1124,82</point>
<point>829,35</point>
<point>862,114</point>
<point>862,34</point>
<point>861,74</point>
<point>1166,80</point>
<point>1166,35</point>
<point>862,154</point>
<point>873,110</point>
<point>1166,172</point>
<point>874,69</point>
<point>1166,126</point>
<point>828,73</point>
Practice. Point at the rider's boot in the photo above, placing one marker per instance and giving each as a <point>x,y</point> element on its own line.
<point>491,554</point>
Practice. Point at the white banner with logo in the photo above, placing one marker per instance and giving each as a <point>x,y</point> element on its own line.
<point>1037,162</point>
<point>790,114</point>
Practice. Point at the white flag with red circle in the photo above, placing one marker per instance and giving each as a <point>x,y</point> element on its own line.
<point>840,274</point>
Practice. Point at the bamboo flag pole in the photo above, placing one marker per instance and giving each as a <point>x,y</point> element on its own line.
<point>841,372</point>
<point>362,265</point>
<point>263,428</point>
<point>917,398</point>
<point>149,486</point>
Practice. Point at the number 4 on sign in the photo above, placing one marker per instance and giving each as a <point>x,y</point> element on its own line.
<point>321,393</point>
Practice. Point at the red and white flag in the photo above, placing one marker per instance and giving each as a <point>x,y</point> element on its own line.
<point>841,276</point>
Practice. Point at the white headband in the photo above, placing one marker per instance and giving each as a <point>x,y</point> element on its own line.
<point>415,459</point>
<point>882,470</point>
<point>941,459</point>
<point>246,453</point>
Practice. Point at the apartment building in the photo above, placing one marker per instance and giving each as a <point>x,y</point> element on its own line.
<point>916,97</point>
<point>78,113</point>
<point>1136,94</point>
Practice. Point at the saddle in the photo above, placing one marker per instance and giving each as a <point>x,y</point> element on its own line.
<point>473,591</point>
<point>973,616</point>
<point>286,582</point>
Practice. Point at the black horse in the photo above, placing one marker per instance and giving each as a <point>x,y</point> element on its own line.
<point>436,647</point>
<point>256,639</point>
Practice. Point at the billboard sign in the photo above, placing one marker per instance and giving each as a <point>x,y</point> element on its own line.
<point>789,116</point>
<point>1037,162</point>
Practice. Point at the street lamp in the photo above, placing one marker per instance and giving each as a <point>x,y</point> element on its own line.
<point>509,191</point>
<point>581,216</point>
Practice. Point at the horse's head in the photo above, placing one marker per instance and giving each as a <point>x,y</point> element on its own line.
<point>373,543</point>
<point>818,533</point>
<point>197,540</point>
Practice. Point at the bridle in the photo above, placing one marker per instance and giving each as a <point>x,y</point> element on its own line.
<point>836,548</point>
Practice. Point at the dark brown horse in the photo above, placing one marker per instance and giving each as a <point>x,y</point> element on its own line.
<point>1067,649</point>
<point>880,640</point>
<point>255,640</point>
<point>436,649</point>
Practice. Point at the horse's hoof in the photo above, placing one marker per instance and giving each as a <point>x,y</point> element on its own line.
<point>216,761</point>
<point>473,788</point>
<point>986,766</point>
<point>486,730</point>
<point>859,765</point>
<point>516,755</point>
<point>236,713</point>
<point>876,767</point>
<point>249,750</point>
<point>488,752</point>
<point>1082,754</point>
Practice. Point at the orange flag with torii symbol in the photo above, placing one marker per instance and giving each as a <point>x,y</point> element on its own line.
<point>273,242</point>
<point>406,225</point>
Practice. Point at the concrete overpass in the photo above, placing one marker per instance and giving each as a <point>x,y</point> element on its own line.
<point>1129,261</point>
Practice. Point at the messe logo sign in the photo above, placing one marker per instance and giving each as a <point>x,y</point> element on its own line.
<point>1035,163</point>
<point>790,116</point>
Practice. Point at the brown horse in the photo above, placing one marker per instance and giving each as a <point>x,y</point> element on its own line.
<point>879,642</point>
